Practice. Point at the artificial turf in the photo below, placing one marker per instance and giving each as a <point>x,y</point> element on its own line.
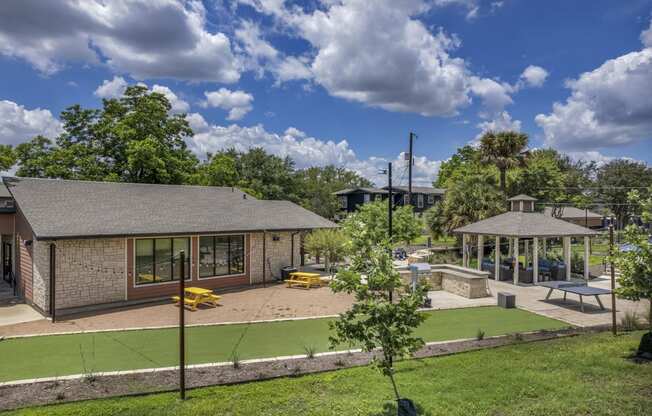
<point>582,375</point>
<point>59,355</point>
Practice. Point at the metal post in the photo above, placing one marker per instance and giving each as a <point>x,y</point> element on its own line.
<point>264,258</point>
<point>614,328</point>
<point>53,291</point>
<point>390,208</point>
<point>390,205</point>
<point>182,327</point>
<point>410,171</point>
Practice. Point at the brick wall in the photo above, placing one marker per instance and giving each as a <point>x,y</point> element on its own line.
<point>88,272</point>
<point>277,252</point>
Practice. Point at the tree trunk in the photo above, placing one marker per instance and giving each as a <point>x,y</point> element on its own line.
<point>391,377</point>
<point>503,179</point>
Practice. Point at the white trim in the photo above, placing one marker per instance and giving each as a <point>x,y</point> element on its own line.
<point>137,286</point>
<point>246,255</point>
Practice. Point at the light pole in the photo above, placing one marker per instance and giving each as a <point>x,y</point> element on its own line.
<point>390,208</point>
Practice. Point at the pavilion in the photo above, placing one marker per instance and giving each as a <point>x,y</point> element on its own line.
<point>523,223</point>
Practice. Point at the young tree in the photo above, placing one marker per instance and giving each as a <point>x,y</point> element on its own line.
<point>368,228</point>
<point>635,266</point>
<point>504,150</point>
<point>377,319</point>
<point>329,243</point>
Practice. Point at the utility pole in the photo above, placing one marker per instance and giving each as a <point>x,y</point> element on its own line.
<point>390,204</point>
<point>613,277</point>
<point>182,327</point>
<point>410,161</point>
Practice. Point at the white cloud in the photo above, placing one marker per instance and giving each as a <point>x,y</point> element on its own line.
<point>178,105</point>
<point>144,38</point>
<point>501,122</point>
<point>609,106</point>
<point>305,150</point>
<point>18,124</point>
<point>646,36</point>
<point>112,89</point>
<point>237,103</point>
<point>495,96</point>
<point>534,76</point>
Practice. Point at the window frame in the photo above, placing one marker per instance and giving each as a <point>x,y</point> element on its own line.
<point>134,267</point>
<point>244,260</point>
<point>419,200</point>
<point>344,202</point>
<point>431,199</point>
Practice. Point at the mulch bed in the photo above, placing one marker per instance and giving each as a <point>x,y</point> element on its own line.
<point>102,386</point>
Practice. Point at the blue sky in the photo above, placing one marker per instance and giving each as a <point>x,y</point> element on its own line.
<point>344,82</point>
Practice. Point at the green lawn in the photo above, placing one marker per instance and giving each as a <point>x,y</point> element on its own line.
<point>584,375</point>
<point>59,355</point>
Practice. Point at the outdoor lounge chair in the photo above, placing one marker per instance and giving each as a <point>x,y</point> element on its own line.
<point>489,266</point>
<point>558,271</point>
<point>526,275</point>
<point>506,273</point>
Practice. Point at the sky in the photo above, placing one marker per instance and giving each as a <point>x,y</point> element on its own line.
<point>343,82</point>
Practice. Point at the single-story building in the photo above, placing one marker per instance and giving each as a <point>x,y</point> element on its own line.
<point>107,243</point>
<point>578,216</point>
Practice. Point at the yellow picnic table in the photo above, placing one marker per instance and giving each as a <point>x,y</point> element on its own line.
<point>304,279</point>
<point>194,296</point>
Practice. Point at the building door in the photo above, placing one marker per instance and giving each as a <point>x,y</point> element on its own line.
<point>6,261</point>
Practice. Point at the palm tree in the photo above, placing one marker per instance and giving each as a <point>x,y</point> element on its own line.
<point>503,149</point>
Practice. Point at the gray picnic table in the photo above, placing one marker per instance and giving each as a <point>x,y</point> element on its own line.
<point>578,288</point>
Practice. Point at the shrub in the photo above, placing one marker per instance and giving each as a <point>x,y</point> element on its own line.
<point>310,351</point>
<point>479,335</point>
<point>630,321</point>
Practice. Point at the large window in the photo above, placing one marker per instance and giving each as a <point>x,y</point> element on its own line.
<point>157,259</point>
<point>221,255</point>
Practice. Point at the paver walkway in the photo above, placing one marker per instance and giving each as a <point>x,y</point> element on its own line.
<point>533,299</point>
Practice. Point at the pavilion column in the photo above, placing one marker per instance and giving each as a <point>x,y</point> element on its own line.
<point>545,247</point>
<point>515,261</point>
<point>464,250</point>
<point>510,250</point>
<point>567,256</point>
<point>526,253</point>
<point>587,255</point>
<point>535,260</point>
<point>480,251</point>
<point>497,260</point>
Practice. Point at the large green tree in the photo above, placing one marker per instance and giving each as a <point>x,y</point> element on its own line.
<point>133,138</point>
<point>503,150</point>
<point>7,157</point>
<point>615,179</point>
<point>468,199</point>
<point>316,187</point>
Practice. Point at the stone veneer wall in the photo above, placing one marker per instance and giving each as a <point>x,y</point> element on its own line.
<point>278,253</point>
<point>88,272</point>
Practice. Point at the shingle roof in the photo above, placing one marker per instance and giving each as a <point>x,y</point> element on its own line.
<point>525,224</point>
<point>74,209</point>
<point>4,192</point>
<point>420,190</point>
<point>572,212</point>
<point>361,189</point>
<point>521,197</point>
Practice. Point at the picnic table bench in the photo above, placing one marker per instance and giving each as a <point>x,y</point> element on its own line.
<point>195,296</point>
<point>305,279</point>
<point>577,288</point>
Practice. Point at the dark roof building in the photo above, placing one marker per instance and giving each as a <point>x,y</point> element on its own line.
<point>120,242</point>
<point>423,197</point>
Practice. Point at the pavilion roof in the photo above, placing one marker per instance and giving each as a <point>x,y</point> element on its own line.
<point>525,224</point>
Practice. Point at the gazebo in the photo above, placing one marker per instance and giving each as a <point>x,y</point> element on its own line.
<point>523,223</point>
